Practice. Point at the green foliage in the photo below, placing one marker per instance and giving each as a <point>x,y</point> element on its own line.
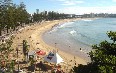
<point>112,36</point>
<point>25,47</point>
<point>0,30</point>
<point>31,60</point>
<point>51,15</point>
<point>90,68</point>
<point>12,15</point>
<point>103,57</point>
<point>5,50</point>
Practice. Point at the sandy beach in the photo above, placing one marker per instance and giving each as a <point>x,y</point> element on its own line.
<point>33,35</point>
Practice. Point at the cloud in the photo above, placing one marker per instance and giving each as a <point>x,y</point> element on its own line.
<point>70,2</point>
<point>114,0</point>
<point>83,10</point>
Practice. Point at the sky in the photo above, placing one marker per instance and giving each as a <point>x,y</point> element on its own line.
<point>70,6</point>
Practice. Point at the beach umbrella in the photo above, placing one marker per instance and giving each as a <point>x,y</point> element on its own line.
<point>40,52</point>
<point>53,57</point>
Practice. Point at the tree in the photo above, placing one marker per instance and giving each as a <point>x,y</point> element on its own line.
<point>0,29</point>
<point>24,15</point>
<point>25,48</point>
<point>12,15</point>
<point>90,68</point>
<point>5,50</point>
<point>32,63</point>
<point>4,7</point>
<point>103,57</point>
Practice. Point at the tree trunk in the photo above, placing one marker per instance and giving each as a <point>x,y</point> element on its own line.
<point>7,29</point>
<point>14,28</point>
<point>0,31</point>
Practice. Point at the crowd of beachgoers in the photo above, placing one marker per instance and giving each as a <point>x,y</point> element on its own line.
<point>33,35</point>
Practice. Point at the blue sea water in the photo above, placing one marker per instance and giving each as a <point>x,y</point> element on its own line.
<point>72,36</point>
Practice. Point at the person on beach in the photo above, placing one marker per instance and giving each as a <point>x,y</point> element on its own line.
<point>80,49</point>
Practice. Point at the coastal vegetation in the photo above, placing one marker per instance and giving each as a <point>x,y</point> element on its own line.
<point>12,16</point>
<point>6,54</point>
<point>103,57</point>
<point>25,49</point>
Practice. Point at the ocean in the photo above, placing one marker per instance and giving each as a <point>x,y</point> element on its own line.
<point>71,36</point>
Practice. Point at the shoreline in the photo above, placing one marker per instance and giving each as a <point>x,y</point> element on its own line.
<point>50,39</point>
<point>73,50</point>
<point>33,35</point>
<point>52,47</point>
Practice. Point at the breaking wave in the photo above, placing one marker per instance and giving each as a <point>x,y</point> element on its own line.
<point>72,32</point>
<point>87,20</point>
<point>65,24</point>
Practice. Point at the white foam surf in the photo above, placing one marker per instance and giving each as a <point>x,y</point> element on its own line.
<point>65,24</point>
<point>59,26</point>
<point>72,32</point>
<point>87,20</point>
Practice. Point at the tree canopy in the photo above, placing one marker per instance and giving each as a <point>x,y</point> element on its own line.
<point>12,15</point>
